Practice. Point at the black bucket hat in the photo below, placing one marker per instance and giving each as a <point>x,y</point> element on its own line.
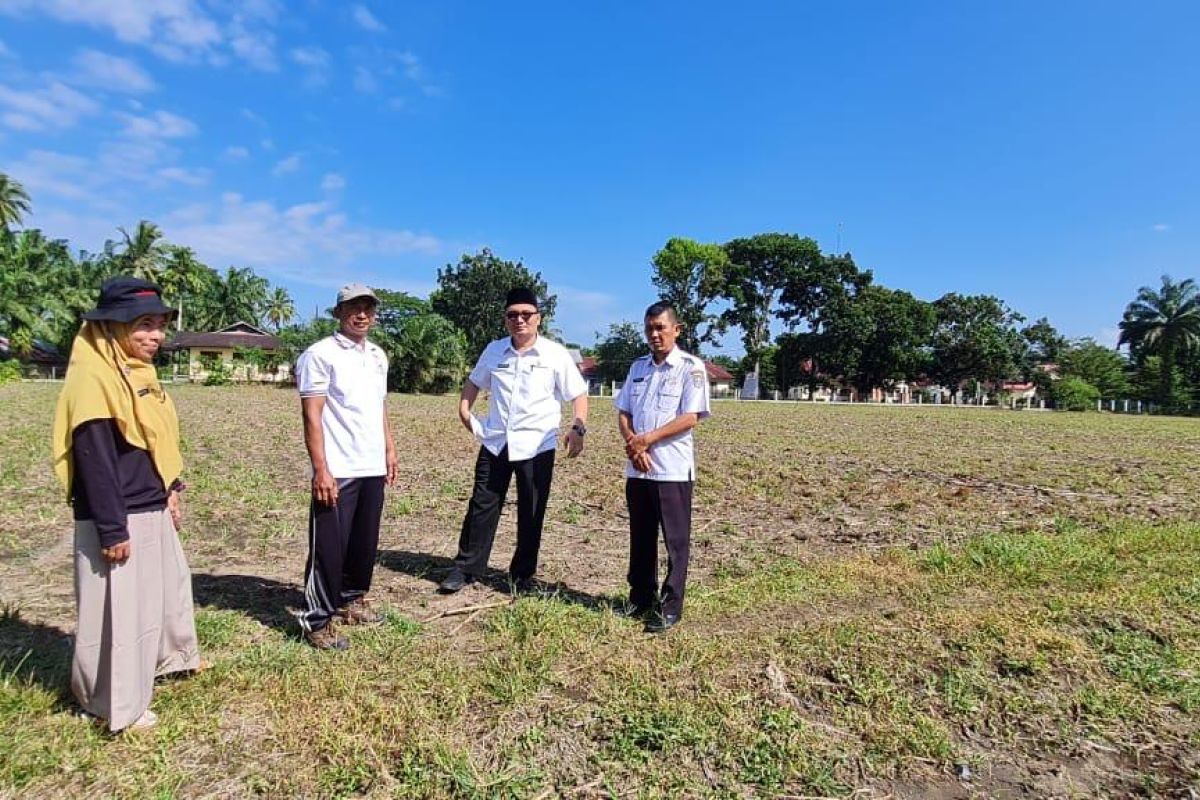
<point>124,299</point>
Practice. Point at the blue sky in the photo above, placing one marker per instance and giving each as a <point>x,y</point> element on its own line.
<point>1042,152</point>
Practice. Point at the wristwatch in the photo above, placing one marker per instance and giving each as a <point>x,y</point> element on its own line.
<point>579,428</point>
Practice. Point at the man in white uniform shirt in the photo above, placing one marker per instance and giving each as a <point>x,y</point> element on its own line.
<point>529,377</point>
<point>343,396</point>
<point>663,398</point>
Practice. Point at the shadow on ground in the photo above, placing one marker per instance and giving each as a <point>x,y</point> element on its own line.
<point>434,568</point>
<point>36,653</point>
<point>262,599</point>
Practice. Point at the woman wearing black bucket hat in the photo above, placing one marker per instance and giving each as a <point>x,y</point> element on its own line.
<point>116,451</point>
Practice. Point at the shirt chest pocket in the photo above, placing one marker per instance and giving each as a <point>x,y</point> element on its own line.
<point>539,380</point>
<point>668,396</point>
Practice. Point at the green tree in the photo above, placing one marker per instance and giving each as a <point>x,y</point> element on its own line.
<point>1073,393</point>
<point>624,344</point>
<point>1044,345</point>
<point>185,282</point>
<point>691,276</point>
<point>14,203</point>
<point>279,308</point>
<point>873,338</point>
<point>976,337</point>
<point>1149,380</point>
<point>761,268</point>
<point>471,295</point>
<point>238,296</point>
<point>33,273</point>
<point>1163,323</point>
<point>429,355</point>
<point>142,253</point>
<point>1100,366</point>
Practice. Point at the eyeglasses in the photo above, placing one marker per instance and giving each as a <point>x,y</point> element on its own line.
<point>524,316</point>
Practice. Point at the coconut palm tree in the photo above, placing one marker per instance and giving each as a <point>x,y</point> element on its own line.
<point>1163,323</point>
<point>14,202</point>
<point>144,252</point>
<point>279,308</point>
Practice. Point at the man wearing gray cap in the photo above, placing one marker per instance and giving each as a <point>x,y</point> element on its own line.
<point>343,397</point>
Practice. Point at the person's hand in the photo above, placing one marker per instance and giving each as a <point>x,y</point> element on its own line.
<point>175,506</point>
<point>464,416</point>
<point>636,445</point>
<point>391,465</point>
<point>324,488</point>
<point>574,443</point>
<point>641,462</point>
<point>117,554</point>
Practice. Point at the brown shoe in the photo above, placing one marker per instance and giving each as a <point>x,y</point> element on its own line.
<point>327,638</point>
<point>360,612</point>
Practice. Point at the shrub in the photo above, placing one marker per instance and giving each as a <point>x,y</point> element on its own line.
<point>10,371</point>
<point>1075,394</point>
<point>218,374</point>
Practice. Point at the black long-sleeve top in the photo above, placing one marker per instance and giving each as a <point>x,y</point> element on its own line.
<point>112,479</point>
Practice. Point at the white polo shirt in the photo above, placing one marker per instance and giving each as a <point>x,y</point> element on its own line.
<point>527,393</point>
<point>353,380</point>
<point>655,394</point>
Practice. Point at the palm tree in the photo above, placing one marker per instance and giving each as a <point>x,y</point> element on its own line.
<point>279,308</point>
<point>1163,323</point>
<point>240,296</point>
<point>430,354</point>
<point>144,252</point>
<point>33,303</point>
<point>14,202</point>
<point>184,281</point>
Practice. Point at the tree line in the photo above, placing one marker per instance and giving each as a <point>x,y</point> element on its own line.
<point>805,317</point>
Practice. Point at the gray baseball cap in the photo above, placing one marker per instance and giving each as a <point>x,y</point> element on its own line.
<point>353,291</point>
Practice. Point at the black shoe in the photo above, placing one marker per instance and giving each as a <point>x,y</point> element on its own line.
<point>455,581</point>
<point>662,623</point>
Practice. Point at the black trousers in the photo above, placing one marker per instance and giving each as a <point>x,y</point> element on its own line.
<point>343,541</point>
<point>654,505</point>
<point>492,476</point>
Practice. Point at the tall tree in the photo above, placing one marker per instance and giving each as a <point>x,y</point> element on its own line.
<point>142,253</point>
<point>33,273</point>
<point>279,308</point>
<point>237,296</point>
<point>624,344</point>
<point>691,276</point>
<point>429,354</point>
<point>761,268</point>
<point>1100,366</point>
<point>471,295</point>
<point>185,283</point>
<point>875,337</point>
<point>1163,323</point>
<point>14,202</point>
<point>976,337</point>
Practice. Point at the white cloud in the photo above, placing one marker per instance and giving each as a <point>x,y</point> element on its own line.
<point>175,28</point>
<point>5,52</point>
<point>366,20</point>
<point>55,106</point>
<point>1161,227</point>
<point>159,125</point>
<point>286,165</point>
<point>582,313</point>
<point>115,74</point>
<point>188,177</point>
<point>45,172</point>
<point>303,241</point>
<point>236,153</point>
<point>254,46</point>
<point>364,81</point>
<point>332,182</point>
<point>315,62</point>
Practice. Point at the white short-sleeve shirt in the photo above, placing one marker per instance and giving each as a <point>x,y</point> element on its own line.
<point>353,380</point>
<point>655,394</point>
<point>527,392</point>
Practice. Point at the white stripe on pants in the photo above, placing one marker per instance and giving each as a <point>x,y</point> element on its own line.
<point>135,620</point>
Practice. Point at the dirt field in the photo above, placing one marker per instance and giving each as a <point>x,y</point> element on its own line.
<point>883,602</point>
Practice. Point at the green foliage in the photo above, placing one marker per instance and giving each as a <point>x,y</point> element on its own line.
<point>625,343</point>
<point>975,338</point>
<point>10,371</point>
<point>691,276</point>
<point>14,202</point>
<point>295,339</point>
<point>1164,323</point>
<point>471,295</point>
<point>1073,393</point>
<point>1149,383</point>
<point>1101,366</point>
<point>428,355</point>
<point>217,373</point>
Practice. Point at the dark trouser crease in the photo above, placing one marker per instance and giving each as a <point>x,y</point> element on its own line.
<point>343,542</point>
<point>655,505</point>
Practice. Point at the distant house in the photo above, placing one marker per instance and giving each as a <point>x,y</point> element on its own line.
<point>44,361</point>
<point>228,346</point>
<point>720,380</point>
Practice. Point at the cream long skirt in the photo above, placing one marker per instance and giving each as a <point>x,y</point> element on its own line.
<point>136,619</point>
